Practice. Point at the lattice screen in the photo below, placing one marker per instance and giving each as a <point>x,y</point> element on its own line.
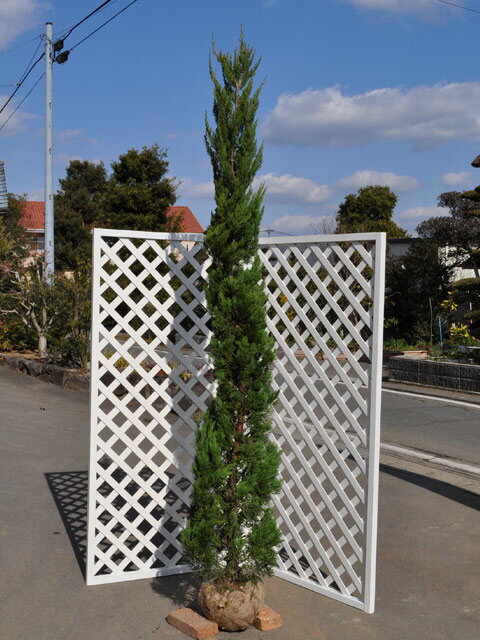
<point>151,381</point>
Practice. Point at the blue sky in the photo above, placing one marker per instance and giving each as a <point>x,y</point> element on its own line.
<point>357,92</point>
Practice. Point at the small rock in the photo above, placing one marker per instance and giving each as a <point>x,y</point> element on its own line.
<point>267,619</point>
<point>193,624</point>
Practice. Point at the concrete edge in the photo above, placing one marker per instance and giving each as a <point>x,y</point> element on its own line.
<point>61,376</point>
<point>435,392</point>
<point>431,469</point>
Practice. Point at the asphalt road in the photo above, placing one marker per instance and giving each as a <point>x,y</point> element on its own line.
<point>435,426</point>
<point>427,556</point>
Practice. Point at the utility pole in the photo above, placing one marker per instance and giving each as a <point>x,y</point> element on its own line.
<point>49,233</point>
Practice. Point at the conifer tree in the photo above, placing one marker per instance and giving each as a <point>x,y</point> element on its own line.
<point>231,532</point>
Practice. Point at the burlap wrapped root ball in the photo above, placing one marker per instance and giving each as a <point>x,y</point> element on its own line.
<point>233,609</point>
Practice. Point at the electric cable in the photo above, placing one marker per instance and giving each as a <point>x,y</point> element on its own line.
<point>22,101</point>
<point>22,80</point>
<point>459,6</point>
<point>58,34</point>
<point>70,29</point>
<point>22,44</point>
<point>103,24</point>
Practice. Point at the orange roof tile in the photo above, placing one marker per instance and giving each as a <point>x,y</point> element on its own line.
<point>188,222</point>
<point>33,217</point>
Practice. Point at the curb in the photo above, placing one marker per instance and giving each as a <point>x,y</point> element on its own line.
<point>434,392</point>
<point>60,376</point>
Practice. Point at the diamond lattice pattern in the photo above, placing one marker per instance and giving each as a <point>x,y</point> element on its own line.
<point>151,380</point>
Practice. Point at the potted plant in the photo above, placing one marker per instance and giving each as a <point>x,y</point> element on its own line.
<point>231,532</point>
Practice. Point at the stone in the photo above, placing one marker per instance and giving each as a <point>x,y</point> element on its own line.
<point>193,624</point>
<point>234,608</point>
<point>267,619</point>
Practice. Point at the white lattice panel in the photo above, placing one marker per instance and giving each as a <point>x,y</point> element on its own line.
<point>151,380</point>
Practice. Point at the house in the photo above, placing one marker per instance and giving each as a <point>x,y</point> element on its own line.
<point>33,221</point>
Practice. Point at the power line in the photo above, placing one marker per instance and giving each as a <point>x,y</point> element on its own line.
<point>459,6</point>
<point>69,31</point>
<point>103,24</point>
<point>22,80</point>
<point>22,101</point>
<point>22,44</point>
<point>58,34</point>
<point>32,57</point>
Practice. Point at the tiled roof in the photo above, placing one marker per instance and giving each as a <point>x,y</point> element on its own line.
<point>33,217</point>
<point>188,222</point>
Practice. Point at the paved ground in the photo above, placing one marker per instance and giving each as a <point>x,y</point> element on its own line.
<point>445,428</point>
<point>428,556</point>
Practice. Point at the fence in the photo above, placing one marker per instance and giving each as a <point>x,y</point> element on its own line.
<point>152,379</point>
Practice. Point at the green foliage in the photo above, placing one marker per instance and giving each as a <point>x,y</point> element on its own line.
<point>138,193</point>
<point>416,286</point>
<point>461,233</point>
<point>69,336</point>
<point>370,209</point>
<point>77,208</point>
<point>231,532</point>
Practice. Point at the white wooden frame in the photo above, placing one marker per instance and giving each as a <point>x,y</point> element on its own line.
<point>330,526</point>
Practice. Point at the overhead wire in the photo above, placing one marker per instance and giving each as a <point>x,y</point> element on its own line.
<point>22,44</point>
<point>58,34</point>
<point>31,66</point>
<point>22,101</point>
<point>72,28</point>
<point>22,80</point>
<point>459,6</point>
<point>103,24</point>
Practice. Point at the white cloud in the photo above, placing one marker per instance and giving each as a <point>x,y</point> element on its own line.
<point>422,213</point>
<point>396,6</point>
<point>290,189</point>
<point>66,135</point>
<point>17,16</point>
<point>201,190</point>
<point>453,179</point>
<point>297,224</point>
<point>425,116</point>
<point>16,122</point>
<point>283,188</point>
<point>366,177</point>
<point>65,158</point>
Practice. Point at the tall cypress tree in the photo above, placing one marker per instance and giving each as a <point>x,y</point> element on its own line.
<point>231,532</point>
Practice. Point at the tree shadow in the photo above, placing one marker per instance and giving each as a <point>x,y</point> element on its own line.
<point>181,590</point>
<point>70,494</point>
<point>462,496</point>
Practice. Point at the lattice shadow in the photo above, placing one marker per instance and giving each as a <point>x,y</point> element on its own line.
<point>70,493</point>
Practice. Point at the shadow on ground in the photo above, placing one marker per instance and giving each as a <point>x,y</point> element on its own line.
<point>181,590</point>
<point>444,489</point>
<point>70,493</point>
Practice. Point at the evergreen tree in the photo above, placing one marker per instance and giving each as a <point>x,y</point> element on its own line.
<point>460,232</point>
<point>76,210</point>
<point>138,192</point>
<point>231,532</point>
<point>370,209</point>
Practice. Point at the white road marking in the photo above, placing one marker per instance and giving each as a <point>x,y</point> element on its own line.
<point>425,397</point>
<point>431,457</point>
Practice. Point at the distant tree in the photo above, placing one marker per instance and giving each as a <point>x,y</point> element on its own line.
<point>76,210</point>
<point>370,209</point>
<point>138,192</point>
<point>416,285</point>
<point>460,231</point>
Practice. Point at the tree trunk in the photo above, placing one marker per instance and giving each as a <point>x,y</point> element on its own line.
<point>42,345</point>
